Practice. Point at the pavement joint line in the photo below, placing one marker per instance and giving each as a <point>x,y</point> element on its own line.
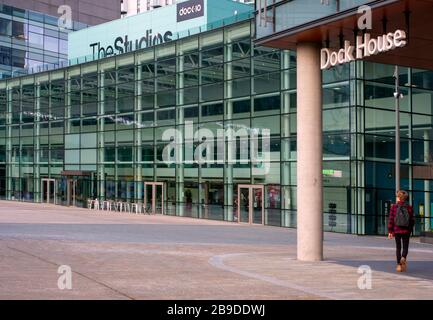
<point>166,243</point>
<point>76,272</point>
<point>391,249</point>
<point>218,262</point>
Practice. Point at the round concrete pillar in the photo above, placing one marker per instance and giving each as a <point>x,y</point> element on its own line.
<point>309,153</point>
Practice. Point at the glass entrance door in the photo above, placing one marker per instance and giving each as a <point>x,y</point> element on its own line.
<point>154,197</point>
<point>75,190</point>
<point>250,204</point>
<point>72,192</point>
<point>81,190</point>
<point>49,190</point>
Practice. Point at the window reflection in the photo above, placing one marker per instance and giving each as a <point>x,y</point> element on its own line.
<point>114,130</point>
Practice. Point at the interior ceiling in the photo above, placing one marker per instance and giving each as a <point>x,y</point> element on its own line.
<point>418,53</point>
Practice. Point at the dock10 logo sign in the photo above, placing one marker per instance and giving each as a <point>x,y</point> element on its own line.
<point>190,10</point>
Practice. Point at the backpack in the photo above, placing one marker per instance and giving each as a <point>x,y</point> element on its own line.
<point>402,218</point>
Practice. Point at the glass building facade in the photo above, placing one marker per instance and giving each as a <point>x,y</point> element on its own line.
<point>31,42</point>
<point>98,130</point>
<point>274,16</point>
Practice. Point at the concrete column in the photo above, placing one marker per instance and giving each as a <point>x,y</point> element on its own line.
<point>309,160</point>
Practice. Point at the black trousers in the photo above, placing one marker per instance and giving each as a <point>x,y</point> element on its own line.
<point>402,240</point>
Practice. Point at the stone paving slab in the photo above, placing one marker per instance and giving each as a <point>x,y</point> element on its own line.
<point>328,279</point>
<point>122,256</point>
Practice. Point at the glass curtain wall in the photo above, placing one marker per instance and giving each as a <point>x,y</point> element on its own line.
<point>378,130</point>
<point>31,41</point>
<point>130,127</point>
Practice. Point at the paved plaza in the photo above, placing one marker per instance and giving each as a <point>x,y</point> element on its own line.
<point>126,256</point>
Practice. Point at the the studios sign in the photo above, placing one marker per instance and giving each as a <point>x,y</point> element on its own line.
<point>365,46</point>
<point>123,45</point>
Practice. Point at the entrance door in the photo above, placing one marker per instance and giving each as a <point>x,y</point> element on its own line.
<point>250,204</point>
<point>154,197</point>
<point>49,190</point>
<point>72,192</point>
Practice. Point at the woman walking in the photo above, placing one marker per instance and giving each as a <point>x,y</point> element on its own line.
<point>400,226</point>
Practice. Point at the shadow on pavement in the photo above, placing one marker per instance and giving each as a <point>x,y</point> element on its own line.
<point>417,269</point>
